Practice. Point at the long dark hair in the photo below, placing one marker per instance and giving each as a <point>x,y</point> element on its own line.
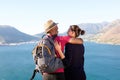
<point>77,30</point>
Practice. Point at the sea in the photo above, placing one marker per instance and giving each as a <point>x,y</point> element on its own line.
<point>102,62</point>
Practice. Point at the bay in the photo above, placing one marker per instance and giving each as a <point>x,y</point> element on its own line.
<point>102,62</point>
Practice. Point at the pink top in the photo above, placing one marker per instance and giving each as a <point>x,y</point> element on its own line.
<point>62,40</point>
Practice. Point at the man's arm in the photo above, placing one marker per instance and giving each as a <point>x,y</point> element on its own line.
<point>58,48</point>
<point>76,41</point>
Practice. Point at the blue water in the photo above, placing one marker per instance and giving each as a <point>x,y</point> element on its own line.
<point>102,62</point>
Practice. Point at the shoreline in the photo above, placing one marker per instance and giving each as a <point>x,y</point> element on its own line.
<point>20,43</point>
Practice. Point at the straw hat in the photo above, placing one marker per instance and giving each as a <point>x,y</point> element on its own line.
<point>49,25</point>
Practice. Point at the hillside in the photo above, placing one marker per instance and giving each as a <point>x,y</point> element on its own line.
<point>10,34</point>
<point>111,34</point>
<point>93,28</point>
<point>105,32</point>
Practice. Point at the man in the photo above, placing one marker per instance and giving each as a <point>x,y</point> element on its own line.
<point>51,30</point>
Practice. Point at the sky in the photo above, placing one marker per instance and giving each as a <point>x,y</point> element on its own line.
<point>29,16</point>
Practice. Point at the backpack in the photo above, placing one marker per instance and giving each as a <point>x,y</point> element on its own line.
<point>44,57</point>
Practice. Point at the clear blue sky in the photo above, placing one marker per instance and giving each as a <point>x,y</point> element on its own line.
<point>29,16</point>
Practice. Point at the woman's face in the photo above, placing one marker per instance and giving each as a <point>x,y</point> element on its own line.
<point>71,33</point>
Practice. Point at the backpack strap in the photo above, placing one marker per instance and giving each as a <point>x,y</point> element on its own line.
<point>51,42</point>
<point>42,45</point>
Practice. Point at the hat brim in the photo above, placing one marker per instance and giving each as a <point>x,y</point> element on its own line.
<point>51,28</point>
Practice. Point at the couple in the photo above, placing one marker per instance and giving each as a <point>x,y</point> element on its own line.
<point>73,59</point>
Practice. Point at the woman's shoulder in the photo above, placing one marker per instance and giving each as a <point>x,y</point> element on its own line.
<point>81,39</point>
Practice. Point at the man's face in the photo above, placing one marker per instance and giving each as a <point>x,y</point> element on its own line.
<point>54,31</point>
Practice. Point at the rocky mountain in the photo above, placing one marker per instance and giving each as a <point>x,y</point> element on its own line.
<point>105,32</point>
<point>10,34</point>
<point>93,28</point>
<point>110,34</point>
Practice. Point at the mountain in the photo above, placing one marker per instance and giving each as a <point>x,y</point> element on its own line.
<point>10,34</point>
<point>111,34</point>
<point>104,32</point>
<point>92,28</point>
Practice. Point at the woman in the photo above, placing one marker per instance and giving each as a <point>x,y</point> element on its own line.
<point>74,56</point>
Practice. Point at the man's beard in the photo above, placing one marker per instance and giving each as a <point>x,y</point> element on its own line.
<point>54,36</point>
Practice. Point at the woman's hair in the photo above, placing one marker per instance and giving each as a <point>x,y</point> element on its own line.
<point>77,30</point>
